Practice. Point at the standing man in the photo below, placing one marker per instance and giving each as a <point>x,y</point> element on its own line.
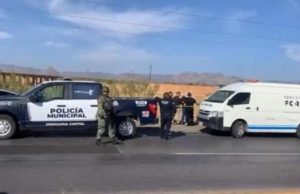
<point>167,111</point>
<point>189,103</point>
<point>177,102</point>
<point>105,120</point>
<point>183,110</point>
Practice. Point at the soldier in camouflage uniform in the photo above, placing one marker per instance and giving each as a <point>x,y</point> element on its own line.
<point>104,115</point>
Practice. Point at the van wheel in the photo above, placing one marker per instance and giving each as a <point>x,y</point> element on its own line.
<point>298,132</point>
<point>7,127</point>
<point>126,128</point>
<point>239,129</point>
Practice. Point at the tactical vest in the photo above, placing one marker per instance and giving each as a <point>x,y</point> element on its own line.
<point>107,105</point>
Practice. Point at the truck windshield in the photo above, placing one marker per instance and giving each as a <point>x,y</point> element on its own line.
<point>220,96</point>
<point>30,90</point>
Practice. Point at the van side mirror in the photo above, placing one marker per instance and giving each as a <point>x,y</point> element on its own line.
<point>230,102</point>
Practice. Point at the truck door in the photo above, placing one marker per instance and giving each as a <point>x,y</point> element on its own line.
<point>70,104</point>
<point>85,96</point>
<point>48,103</point>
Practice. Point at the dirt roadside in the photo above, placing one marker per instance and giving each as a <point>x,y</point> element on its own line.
<point>291,191</point>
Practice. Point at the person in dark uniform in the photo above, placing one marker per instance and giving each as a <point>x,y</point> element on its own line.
<point>167,111</point>
<point>183,111</point>
<point>189,103</point>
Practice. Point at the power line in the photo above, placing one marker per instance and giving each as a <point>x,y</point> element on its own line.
<point>219,43</point>
<point>151,26</point>
<point>197,15</point>
<point>163,37</point>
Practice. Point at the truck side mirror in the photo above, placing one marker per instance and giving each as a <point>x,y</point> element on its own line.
<point>36,97</point>
<point>32,98</point>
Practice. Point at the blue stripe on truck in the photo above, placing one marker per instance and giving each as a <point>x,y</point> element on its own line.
<point>273,127</point>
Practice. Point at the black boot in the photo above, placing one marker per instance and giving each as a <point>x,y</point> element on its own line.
<point>162,134</point>
<point>116,141</point>
<point>168,136</point>
<point>100,142</point>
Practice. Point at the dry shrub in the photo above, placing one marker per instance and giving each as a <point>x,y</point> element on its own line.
<point>15,83</point>
<point>131,89</point>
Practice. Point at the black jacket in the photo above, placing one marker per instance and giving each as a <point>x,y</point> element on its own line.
<point>177,100</point>
<point>189,102</point>
<point>167,108</point>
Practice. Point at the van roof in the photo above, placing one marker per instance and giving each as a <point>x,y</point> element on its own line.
<point>240,86</point>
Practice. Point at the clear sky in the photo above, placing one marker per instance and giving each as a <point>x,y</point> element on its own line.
<point>252,39</point>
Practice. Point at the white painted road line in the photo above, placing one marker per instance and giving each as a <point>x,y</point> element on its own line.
<point>236,154</point>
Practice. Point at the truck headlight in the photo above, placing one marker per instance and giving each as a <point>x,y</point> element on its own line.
<point>5,103</point>
<point>216,114</point>
<point>213,114</point>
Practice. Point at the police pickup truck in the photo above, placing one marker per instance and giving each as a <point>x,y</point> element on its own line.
<point>70,104</point>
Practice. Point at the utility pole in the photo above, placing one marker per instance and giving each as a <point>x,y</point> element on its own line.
<point>150,73</point>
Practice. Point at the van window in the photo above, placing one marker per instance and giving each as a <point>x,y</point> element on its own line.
<point>85,91</point>
<point>240,98</point>
<point>220,96</point>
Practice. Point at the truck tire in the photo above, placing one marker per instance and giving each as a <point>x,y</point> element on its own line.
<point>126,128</point>
<point>298,132</point>
<point>238,129</point>
<point>7,127</point>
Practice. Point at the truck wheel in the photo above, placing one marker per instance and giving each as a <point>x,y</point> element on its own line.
<point>7,127</point>
<point>239,129</point>
<point>298,132</point>
<point>126,128</point>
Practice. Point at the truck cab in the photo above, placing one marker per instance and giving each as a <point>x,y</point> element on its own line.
<point>64,104</point>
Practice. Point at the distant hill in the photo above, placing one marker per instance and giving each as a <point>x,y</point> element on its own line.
<point>186,77</point>
<point>28,70</point>
<point>182,78</point>
<point>199,78</point>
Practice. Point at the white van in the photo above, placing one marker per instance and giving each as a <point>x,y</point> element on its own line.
<point>253,107</point>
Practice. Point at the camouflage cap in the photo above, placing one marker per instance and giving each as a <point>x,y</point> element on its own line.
<point>105,89</point>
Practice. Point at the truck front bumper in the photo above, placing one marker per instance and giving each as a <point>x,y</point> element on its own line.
<point>215,123</point>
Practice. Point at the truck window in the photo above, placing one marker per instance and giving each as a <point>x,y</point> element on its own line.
<point>240,98</point>
<point>85,91</point>
<point>220,96</point>
<point>52,92</point>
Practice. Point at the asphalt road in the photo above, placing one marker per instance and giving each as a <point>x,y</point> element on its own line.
<point>69,162</point>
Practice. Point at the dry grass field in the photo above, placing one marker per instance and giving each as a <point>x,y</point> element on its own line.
<point>124,88</point>
<point>198,91</point>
